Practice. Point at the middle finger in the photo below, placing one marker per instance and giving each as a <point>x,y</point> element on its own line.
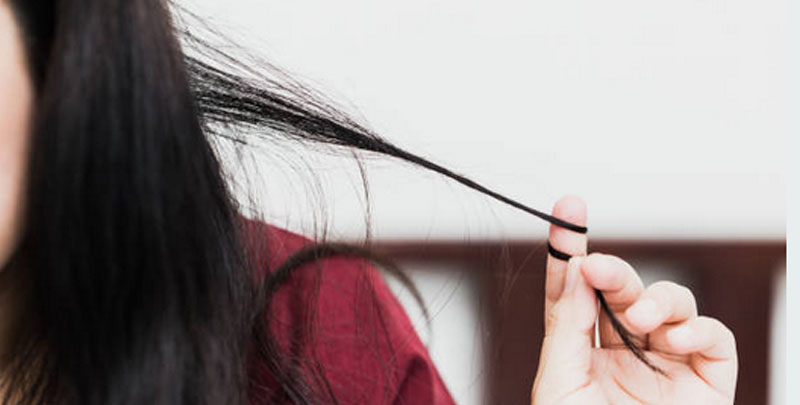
<point>619,284</point>
<point>663,302</point>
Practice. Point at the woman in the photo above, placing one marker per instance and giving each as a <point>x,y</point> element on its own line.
<point>129,275</point>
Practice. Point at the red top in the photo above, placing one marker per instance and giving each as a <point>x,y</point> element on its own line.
<point>340,311</point>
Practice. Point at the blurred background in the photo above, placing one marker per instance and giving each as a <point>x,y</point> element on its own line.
<point>668,118</point>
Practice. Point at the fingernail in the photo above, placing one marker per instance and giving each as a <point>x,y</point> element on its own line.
<point>682,336</point>
<point>573,269</point>
<point>644,313</point>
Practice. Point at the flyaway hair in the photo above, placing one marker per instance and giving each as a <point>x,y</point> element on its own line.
<point>295,111</point>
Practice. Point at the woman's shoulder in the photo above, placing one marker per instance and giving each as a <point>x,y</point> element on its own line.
<point>340,319</point>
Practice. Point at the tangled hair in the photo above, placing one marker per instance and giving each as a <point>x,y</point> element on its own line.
<point>133,278</point>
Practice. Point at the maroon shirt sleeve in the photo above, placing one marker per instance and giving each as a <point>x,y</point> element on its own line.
<point>339,320</point>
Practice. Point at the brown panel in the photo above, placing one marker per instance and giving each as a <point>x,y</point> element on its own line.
<point>732,282</point>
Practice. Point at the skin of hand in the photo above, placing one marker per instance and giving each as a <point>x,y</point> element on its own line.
<point>697,353</point>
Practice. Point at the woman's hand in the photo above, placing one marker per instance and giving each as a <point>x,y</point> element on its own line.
<point>697,353</point>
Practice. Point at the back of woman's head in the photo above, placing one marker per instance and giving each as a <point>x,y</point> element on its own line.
<point>129,276</point>
<point>133,277</point>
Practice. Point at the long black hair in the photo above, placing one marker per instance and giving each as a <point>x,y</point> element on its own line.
<point>133,279</point>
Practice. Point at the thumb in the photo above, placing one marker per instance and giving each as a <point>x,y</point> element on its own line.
<point>567,347</point>
<point>576,310</point>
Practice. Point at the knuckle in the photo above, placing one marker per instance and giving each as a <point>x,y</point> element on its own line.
<point>671,288</point>
<point>595,261</point>
<point>722,330</point>
<point>662,285</point>
<point>725,331</point>
<point>660,290</point>
<point>675,294</point>
<point>688,296</point>
<point>633,286</point>
<point>634,279</point>
<point>618,261</point>
<point>683,293</point>
<point>688,301</point>
<point>683,290</point>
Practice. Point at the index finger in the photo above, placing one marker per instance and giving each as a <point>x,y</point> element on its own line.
<point>571,209</point>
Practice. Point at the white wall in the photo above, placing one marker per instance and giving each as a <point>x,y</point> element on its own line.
<point>669,118</point>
